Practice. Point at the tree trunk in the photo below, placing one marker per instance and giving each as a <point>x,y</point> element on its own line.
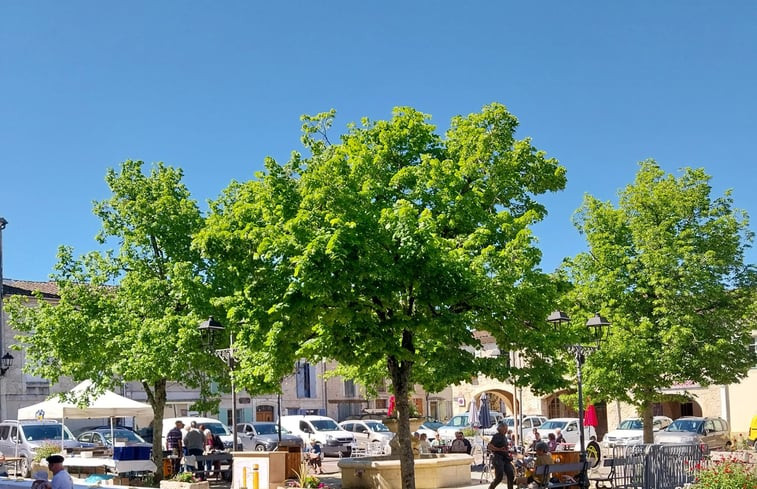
<point>400,374</point>
<point>156,396</point>
<point>647,418</point>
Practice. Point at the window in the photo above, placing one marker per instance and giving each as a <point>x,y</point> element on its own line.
<point>305,375</point>
<point>349,388</point>
<point>753,346</point>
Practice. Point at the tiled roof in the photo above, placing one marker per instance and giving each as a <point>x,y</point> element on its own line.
<point>23,287</point>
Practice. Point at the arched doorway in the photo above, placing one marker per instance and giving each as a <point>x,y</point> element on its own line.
<point>499,400</point>
<point>676,409</point>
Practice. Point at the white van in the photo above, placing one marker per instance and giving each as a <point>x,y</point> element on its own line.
<point>333,438</point>
<point>215,426</point>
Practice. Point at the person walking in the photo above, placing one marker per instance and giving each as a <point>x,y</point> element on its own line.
<point>501,458</point>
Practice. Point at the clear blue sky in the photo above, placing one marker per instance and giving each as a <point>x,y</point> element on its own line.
<point>213,87</point>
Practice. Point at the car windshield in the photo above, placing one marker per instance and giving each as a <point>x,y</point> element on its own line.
<point>266,429</point>
<point>631,424</point>
<point>325,425</point>
<point>126,435</point>
<point>460,420</point>
<point>34,432</point>
<point>216,428</point>
<point>509,421</point>
<point>553,424</point>
<point>686,425</point>
<point>376,426</point>
<point>432,425</point>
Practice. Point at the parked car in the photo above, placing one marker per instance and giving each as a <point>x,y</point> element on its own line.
<point>333,438</point>
<point>712,433</point>
<point>103,436</point>
<point>430,427</point>
<point>368,431</point>
<point>460,422</point>
<point>530,421</point>
<point>631,431</point>
<point>753,432</point>
<point>22,438</point>
<point>263,436</point>
<point>571,433</point>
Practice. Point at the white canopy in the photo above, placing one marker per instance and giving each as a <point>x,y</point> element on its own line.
<point>107,405</point>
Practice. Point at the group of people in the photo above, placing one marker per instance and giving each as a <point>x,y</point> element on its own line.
<point>421,444</point>
<point>194,441</point>
<point>553,440</point>
<point>501,449</point>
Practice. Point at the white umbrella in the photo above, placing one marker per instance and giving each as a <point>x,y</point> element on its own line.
<point>473,413</point>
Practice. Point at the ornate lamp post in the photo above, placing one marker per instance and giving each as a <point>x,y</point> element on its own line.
<point>210,327</point>
<point>599,328</point>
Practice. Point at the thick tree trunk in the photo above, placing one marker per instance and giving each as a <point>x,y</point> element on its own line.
<point>400,374</point>
<point>647,417</point>
<point>156,396</point>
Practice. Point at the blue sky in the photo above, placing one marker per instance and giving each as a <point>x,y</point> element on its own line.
<point>213,87</point>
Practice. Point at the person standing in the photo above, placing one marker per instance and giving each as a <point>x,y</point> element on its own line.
<point>501,458</point>
<point>194,441</point>
<point>61,478</point>
<point>174,439</point>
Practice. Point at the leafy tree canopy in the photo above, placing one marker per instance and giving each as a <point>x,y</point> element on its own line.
<point>144,329</point>
<point>667,266</point>
<point>385,251</point>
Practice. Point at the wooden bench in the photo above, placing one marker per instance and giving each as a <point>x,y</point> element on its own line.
<point>545,471</point>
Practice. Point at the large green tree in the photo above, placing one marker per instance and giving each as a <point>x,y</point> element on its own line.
<point>386,250</point>
<point>667,266</point>
<point>142,329</point>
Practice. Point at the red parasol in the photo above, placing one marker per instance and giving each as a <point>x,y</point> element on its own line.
<point>590,416</point>
<point>390,409</point>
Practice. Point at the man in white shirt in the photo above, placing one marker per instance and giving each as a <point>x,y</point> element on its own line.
<point>61,478</point>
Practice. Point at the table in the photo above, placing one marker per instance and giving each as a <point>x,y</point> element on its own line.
<point>15,461</point>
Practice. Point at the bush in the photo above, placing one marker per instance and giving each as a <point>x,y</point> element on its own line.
<point>45,450</point>
<point>726,474</point>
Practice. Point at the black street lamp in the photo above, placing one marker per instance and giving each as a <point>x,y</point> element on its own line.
<point>599,328</point>
<point>6,362</point>
<point>210,327</point>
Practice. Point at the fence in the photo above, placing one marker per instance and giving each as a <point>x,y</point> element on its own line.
<point>656,466</point>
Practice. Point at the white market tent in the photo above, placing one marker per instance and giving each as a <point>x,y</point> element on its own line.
<point>107,405</point>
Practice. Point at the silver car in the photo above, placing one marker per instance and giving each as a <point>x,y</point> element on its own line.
<point>711,433</point>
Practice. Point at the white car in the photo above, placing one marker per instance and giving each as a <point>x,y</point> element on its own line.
<point>631,431</point>
<point>460,421</point>
<point>367,431</point>
<point>569,429</point>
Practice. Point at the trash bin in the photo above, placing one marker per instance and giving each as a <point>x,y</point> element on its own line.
<point>293,460</point>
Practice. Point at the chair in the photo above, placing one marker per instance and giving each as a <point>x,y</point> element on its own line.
<point>357,450</point>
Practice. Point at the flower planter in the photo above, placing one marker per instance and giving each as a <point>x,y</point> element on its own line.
<point>169,484</point>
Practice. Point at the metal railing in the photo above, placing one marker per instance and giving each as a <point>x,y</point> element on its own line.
<point>656,466</point>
